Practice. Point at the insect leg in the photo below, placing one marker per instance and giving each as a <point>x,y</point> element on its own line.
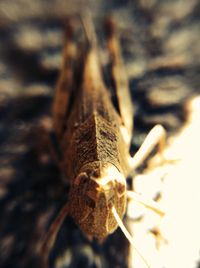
<point>48,240</point>
<point>65,83</point>
<point>119,80</point>
<point>156,136</point>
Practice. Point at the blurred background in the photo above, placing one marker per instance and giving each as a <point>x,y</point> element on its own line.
<point>161,49</point>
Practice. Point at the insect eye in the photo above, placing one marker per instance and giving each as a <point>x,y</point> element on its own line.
<point>81,178</point>
<point>90,203</point>
<point>84,179</point>
<point>120,188</point>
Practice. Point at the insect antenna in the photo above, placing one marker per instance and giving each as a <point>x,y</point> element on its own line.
<point>49,238</point>
<point>148,203</point>
<point>88,27</point>
<point>128,235</point>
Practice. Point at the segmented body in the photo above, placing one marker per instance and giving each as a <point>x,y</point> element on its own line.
<point>91,134</point>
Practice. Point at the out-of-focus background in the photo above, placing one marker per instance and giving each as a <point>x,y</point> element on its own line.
<point>161,48</point>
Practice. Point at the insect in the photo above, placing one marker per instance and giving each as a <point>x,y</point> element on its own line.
<point>93,123</point>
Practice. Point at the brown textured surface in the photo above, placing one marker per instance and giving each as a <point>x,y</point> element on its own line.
<point>160,41</point>
<point>92,143</point>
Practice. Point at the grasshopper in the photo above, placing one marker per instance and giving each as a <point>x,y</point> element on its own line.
<point>93,124</point>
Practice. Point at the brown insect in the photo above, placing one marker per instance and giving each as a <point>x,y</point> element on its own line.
<point>93,124</point>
